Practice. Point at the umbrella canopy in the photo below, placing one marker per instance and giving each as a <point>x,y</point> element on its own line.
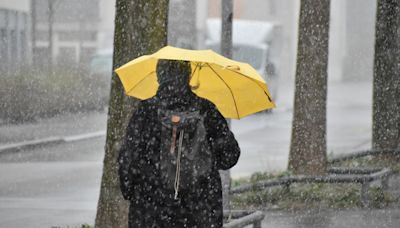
<point>235,88</point>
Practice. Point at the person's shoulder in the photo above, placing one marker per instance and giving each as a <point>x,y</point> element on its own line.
<point>144,106</point>
<point>205,103</point>
<point>207,106</point>
<point>148,103</point>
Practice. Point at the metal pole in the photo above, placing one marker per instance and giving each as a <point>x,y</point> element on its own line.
<point>50,21</point>
<point>33,30</point>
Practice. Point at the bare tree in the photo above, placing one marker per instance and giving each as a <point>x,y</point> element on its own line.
<point>140,28</point>
<point>226,50</point>
<point>386,84</point>
<point>226,28</point>
<point>308,142</point>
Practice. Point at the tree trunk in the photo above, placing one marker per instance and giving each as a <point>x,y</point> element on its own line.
<point>140,28</point>
<point>226,50</point>
<point>226,28</point>
<point>386,84</point>
<point>308,144</point>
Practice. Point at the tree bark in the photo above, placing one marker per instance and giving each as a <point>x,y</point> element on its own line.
<point>226,28</point>
<point>386,84</point>
<point>308,143</point>
<point>226,50</point>
<point>140,28</point>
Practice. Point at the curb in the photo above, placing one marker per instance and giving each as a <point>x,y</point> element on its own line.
<point>16,147</point>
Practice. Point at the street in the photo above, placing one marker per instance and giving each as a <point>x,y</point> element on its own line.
<point>52,186</point>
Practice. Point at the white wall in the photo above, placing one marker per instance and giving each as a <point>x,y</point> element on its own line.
<point>20,5</point>
<point>351,41</point>
<point>337,40</point>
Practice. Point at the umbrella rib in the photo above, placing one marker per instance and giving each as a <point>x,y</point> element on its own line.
<point>197,66</point>
<point>234,101</point>
<point>141,80</point>
<point>255,81</point>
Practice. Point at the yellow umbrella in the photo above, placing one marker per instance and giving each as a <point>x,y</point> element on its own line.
<point>234,87</point>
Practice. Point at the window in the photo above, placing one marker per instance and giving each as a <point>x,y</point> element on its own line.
<point>66,55</point>
<point>14,48</point>
<point>41,57</point>
<point>86,55</point>
<point>23,46</point>
<point>77,35</point>
<point>3,50</point>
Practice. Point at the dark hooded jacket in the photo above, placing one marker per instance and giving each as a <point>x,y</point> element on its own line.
<point>139,159</point>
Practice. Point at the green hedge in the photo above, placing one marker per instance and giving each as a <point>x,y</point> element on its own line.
<point>28,95</point>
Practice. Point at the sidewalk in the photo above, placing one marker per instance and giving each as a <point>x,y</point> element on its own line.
<point>59,126</point>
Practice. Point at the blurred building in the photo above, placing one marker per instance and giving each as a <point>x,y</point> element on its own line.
<point>352,30</point>
<point>74,31</point>
<point>182,28</point>
<point>106,25</point>
<point>14,34</point>
<point>283,13</point>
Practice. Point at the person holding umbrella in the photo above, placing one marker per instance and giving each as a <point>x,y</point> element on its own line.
<point>178,138</point>
<point>175,144</point>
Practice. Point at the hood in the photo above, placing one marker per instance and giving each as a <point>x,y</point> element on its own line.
<point>173,77</point>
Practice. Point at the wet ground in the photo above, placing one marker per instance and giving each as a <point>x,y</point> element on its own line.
<point>347,218</point>
<point>56,185</point>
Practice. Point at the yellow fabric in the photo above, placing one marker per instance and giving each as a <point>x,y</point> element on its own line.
<point>234,87</point>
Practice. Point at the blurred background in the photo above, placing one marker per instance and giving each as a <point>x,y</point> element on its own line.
<point>56,57</point>
<point>67,35</point>
<point>56,69</point>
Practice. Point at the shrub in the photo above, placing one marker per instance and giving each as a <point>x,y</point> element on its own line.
<point>27,95</point>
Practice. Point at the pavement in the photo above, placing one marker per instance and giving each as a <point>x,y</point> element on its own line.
<point>329,218</point>
<point>60,126</point>
<point>55,185</point>
<point>264,139</point>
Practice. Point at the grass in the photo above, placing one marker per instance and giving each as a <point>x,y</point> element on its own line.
<point>310,196</point>
<point>259,176</point>
<point>315,195</point>
<point>82,226</point>
<point>392,162</point>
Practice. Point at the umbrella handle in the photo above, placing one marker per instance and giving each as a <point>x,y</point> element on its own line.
<point>197,85</point>
<point>233,67</point>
